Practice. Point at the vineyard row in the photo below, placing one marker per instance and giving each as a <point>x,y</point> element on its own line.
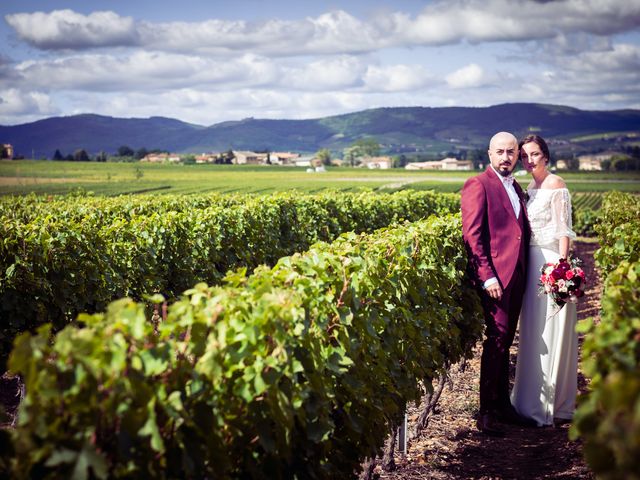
<point>607,417</point>
<point>295,371</point>
<point>60,257</point>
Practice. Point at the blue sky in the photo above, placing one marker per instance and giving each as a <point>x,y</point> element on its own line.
<point>211,61</point>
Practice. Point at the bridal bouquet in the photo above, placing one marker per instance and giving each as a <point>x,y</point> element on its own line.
<point>563,280</point>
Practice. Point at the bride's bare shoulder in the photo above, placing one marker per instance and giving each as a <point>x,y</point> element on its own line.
<point>554,181</point>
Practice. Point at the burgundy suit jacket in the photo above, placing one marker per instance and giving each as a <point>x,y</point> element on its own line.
<point>495,239</point>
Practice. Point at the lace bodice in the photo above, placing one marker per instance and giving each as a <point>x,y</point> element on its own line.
<point>549,212</point>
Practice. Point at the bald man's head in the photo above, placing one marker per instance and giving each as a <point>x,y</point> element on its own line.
<point>503,137</point>
<point>503,152</point>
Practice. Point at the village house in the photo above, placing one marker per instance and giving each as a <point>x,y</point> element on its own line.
<point>161,158</point>
<point>7,151</point>
<point>377,162</point>
<point>207,158</point>
<point>283,158</point>
<point>246,157</point>
<point>448,163</point>
<point>593,161</point>
<point>307,161</point>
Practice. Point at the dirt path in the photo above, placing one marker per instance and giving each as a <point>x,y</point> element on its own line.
<point>451,447</point>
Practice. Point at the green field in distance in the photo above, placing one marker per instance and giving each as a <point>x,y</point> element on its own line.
<point>47,177</point>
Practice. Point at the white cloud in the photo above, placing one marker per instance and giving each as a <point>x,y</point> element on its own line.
<point>467,77</point>
<point>568,45</point>
<point>25,106</point>
<point>66,29</point>
<point>219,37</point>
<point>594,77</point>
<point>209,107</point>
<point>338,31</point>
<point>216,70</point>
<point>398,78</point>
<point>335,32</point>
<point>508,20</point>
<point>620,58</point>
<point>335,73</point>
<point>143,71</point>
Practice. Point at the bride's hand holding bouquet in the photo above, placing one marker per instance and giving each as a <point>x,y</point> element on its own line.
<point>564,281</point>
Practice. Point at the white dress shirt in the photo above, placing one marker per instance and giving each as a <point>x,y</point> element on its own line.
<point>507,183</point>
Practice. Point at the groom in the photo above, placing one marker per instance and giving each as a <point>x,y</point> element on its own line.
<point>496,234</point>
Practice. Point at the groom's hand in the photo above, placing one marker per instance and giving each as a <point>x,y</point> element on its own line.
<point>494,291</point>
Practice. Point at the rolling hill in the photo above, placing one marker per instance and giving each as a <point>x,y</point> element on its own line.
<point>398,129</point>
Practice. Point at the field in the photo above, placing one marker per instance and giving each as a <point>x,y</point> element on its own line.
<point>384,296</point>
<point>46,177</point>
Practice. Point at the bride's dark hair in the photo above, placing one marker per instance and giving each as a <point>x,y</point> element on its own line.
<point>538,140</point>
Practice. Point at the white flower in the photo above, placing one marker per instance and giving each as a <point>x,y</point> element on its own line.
<point>562,286</point>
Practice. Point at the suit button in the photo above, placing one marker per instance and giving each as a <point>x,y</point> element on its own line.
<point>518,237</point>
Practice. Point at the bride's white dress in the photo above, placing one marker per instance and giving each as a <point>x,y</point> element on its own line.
<point>546,371</point>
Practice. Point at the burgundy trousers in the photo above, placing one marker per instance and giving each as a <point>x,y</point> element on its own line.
<point>501,318</point>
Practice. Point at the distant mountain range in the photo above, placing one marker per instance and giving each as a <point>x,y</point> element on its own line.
<point>397,129</point>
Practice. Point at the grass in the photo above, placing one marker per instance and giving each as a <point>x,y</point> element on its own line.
<point>47,177</point>
<point>578,186</point>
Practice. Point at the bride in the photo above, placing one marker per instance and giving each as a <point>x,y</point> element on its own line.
<point>546,371</point>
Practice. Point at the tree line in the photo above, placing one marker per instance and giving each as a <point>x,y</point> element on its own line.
<point>123,153</point>
<point>626,160</point>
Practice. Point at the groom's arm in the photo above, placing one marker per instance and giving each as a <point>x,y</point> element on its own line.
<point>473,203</point>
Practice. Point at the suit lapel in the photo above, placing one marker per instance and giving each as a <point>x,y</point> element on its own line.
<point>520,192</point>
<point>523,205</point>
